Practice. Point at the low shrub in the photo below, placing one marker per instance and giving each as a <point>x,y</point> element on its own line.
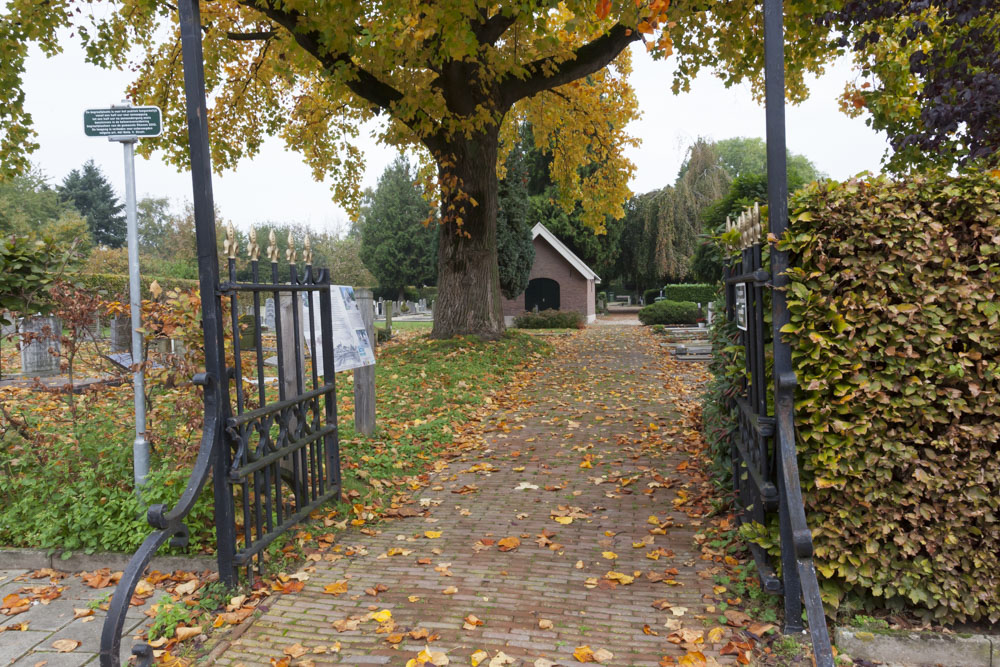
<point>550,319</point>
<point>669,312</point>
<point>699,293</point>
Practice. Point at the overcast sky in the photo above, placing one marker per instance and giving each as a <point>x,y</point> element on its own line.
<point>277,186</point>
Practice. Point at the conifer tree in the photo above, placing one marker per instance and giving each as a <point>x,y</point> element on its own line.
<point>91,194</point>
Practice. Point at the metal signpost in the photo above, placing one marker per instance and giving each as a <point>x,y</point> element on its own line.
<point>125,123</point>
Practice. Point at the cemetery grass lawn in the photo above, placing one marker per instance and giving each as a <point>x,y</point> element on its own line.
<point>66,478</point>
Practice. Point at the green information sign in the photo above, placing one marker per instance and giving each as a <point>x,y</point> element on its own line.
<point>122,122</point>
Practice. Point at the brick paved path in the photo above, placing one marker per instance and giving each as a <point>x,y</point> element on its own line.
<point>594,434</point>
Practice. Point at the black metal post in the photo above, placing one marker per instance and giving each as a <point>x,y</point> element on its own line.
<point>796,540</point>
<point>208,274</point>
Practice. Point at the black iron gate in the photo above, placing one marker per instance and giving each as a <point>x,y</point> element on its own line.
<point>270,435</point>
<point>765,465</point>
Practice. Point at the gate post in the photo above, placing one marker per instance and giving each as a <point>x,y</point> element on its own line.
<point>216,381</point>
<point>364,377</point>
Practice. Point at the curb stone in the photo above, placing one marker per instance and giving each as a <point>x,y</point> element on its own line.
<point>919,648</point>
<point>34,559</point>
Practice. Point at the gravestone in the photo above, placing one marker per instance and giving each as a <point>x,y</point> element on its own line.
<point>40,346</point>
<point>121,334</point>
<point>269,313</point>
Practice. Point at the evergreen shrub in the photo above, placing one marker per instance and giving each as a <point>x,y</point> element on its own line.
<point>649,296</point>
<point>895,331</point>
<point>550,319</point>
<point>699,293</point>
<point>669,312</point>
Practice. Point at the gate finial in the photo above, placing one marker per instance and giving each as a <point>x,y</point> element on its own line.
<point>272,248</point>
<point>307,251</point>
<point>290,253</point>
<point>252,248</point>
<point>229,245</point>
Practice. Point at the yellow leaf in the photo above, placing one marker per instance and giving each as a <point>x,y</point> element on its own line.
<point>610,555</point>
<point>382,616</point>
<point>432,534</point>
<point>716,634</point>
<point>584,654</point>
<point>564,520</point>
<point>478,657</point>
<point>336,588</point>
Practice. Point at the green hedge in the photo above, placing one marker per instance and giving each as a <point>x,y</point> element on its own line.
<point>895,329</point>
<point>113,286</point>
<point>697,293</point>
<point>650,295</point>
<point>550,319</point>
<point>669,312</point>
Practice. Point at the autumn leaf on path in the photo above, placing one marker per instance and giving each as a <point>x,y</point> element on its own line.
<point>295,650</point>
<point>65,645</point>
<point>509,544</point>
<point>471,622</point>
<point>336,588</point>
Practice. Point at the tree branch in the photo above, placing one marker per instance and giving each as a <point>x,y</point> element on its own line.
<point>251,36</point>
<point>364,84</point>
<point>489,30</point>
<point>547,73</point>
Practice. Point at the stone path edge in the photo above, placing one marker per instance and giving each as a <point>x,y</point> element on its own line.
<point>919,648</point>
<point>36,559</point>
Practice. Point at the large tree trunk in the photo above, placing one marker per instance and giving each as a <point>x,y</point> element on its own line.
<point>468,277</point>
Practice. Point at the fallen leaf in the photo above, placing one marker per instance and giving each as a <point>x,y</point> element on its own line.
<point>185,633</point>
<point>295,651</point>
<point>584,654</point>
<point>478,657</point>
<point>65,645</point>
<point>82,613</point>
<point>382,616</point>
<point>509,544</point>
<point>544,624</point>
<point>451,590</point>
<point>336,588</point>
<point>736,618</point>
<point>432,534</point>
<point>716,634</point>
<point>501,659</point>
<point>471,622</point>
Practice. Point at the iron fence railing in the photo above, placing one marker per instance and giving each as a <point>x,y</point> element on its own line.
<point>765,463</point>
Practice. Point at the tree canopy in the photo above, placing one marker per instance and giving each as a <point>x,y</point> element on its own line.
<point>515,243</point>
<point>398,239</point>
<point>931,76</point>
<point>453,79</point>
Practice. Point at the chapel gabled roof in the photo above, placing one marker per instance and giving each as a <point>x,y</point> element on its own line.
<point>567,254</point>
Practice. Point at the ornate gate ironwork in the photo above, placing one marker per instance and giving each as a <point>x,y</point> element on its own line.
<point>272,449</point>
<point>765,462</point>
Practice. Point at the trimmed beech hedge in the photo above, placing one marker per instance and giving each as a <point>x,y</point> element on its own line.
<point>697,293</point>
<point>669,312</point>
<point>895,331</point>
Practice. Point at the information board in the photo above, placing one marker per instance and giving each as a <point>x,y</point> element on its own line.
<point>741,306</point>
<point>122,122</point>
<point>351,345</point>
